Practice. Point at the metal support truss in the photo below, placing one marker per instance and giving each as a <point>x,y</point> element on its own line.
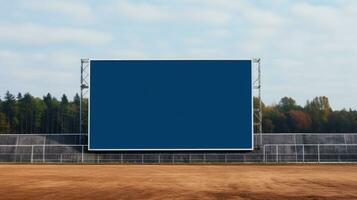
<point>258,109</point>
<point>84,89</point>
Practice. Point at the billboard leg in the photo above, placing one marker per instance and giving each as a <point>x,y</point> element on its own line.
<point>83,92</point>
<point>258,110</point>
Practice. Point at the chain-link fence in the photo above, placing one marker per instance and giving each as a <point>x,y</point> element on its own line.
<point>270,153</point>
<point>316,153</point>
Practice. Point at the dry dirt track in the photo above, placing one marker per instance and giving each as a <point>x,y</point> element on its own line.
<point>178,182</point>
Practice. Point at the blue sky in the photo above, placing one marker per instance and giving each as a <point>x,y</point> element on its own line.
<point>308,48</point>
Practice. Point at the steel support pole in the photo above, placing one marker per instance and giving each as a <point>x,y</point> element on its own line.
<point>84,85</point>
<point>258,112</point>
<point>260,105</point>
<point>80,101</point>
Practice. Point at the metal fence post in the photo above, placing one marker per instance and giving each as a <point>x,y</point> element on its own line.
<point>318,153</point>
<point>43,149</point>
<point>344,138</point>
<point>296,154</point>
<point>264,159</point>
<point>43,154</point>
<point>303,153</point>
<point>82,153</point>
<point>277,153</point>
<point>16,149</point>
<point>61,158</point>
<point>142,159</point>
<point>31,153</point>
<point>159,158</point>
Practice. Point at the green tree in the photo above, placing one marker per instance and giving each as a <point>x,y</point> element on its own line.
<point>4,126</point>
<point>30,113</point>
<point>75,113</point>
<point>343,121</point>
<point>51,122</point>
<point>268,124</point>
<point>9,108</point>
<point>299,121</point>
<point>64,114</point>
<point>286,104</point>
<point>319,110</point>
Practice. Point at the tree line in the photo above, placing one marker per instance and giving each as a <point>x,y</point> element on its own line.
<point>27,114</point>
<point>316,116</point>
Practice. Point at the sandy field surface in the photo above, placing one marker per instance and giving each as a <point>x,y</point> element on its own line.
<point>178,182</point>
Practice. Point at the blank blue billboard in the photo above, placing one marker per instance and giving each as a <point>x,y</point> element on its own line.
<point>173,105</point>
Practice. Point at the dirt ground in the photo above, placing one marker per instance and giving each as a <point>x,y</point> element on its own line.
<point>178,182</point>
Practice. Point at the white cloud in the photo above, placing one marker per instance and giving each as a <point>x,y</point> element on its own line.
<point>316,15</point>
<point>127,53</point>
<point>39,72</point>
<point>306,51</point>
<point>32,34</point>
<point>206,16</point>
<point>138,11</point>
<point>160,12</point>
<point>77,10</point>
<point>221,33</point>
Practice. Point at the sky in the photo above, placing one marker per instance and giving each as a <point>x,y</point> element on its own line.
<point>307,48</point>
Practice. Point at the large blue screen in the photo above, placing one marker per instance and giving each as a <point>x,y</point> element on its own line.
<point>170,105</point>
